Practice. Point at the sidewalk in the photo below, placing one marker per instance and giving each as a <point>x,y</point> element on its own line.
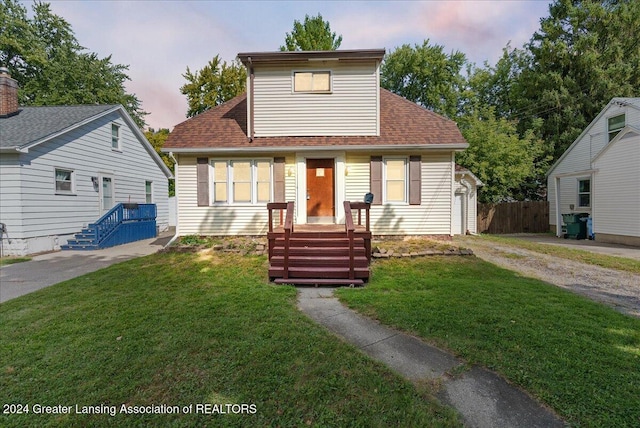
<point>47,269</point>
<point>482,398</point>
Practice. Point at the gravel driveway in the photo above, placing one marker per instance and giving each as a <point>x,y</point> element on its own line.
<point>620,290</point>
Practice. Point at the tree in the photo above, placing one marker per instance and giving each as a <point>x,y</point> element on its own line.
<point>498,155</point>
<point>213,85</point>
<point>312,35</point>
<point>425,75</point>
<point>585,53</point>
<point>157,140</point>
<point>51,67</point>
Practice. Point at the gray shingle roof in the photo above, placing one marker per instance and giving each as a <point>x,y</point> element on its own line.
<point>33,124</point>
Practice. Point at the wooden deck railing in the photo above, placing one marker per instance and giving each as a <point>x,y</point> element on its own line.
<point>361,206</point>
<point>350,229</point>
<point>285,222</point>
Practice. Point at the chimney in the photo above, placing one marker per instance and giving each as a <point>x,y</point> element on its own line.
<point>8,94</point>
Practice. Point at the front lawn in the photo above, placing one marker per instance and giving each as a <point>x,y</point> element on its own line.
<point>579,357</point>
<point>187,330</point>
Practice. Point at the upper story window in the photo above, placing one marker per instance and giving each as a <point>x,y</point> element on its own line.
<point>312,81</point>
<point>241,181</point>
<point>615,125</point>
<point>584,193</point>
<point>115,136</point>
<point>65,181</point>
<point>395,180</point>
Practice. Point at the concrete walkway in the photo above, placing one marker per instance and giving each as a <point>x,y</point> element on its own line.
<point>482,398</point>
<point>51,268</point>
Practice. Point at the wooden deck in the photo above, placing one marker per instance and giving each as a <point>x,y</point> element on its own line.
<point>314,254</point>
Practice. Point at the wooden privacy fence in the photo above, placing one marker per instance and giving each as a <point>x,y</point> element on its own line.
<point>514,217</point>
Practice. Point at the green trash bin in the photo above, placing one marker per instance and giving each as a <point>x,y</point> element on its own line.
<point>576,225</point>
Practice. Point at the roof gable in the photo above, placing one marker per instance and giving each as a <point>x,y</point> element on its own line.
<point>33,125</point>
<point>626,132</point>
<point>619,101</point>
<point>402,124</point>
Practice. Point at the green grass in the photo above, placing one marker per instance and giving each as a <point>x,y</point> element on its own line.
<point>183,329</point>
<point>579,357</point>
<point>602,260</point>
<point>11,260</point>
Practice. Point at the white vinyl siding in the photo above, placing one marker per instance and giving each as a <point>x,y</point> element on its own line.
<point>432,217</point>
<point>350,109</point>
<point>11,194</point>
<point>86,151</point>
<point>616,193</point>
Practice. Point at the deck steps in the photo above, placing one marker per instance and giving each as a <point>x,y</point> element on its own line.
<point>318,258</point>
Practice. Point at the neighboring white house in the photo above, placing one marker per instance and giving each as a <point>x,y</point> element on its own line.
<point>63,167</point>
<point>316,128</point>
<point>599,174</point>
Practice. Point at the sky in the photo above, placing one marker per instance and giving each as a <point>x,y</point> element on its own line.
<point>158,40</point>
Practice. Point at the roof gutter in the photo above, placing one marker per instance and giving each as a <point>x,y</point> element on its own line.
<point>14,149</point>
<point>390,147</point>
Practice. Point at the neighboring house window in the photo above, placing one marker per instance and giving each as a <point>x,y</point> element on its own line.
<point>65,181</point>
<point>312,81</point>
<point>148,192</point>
<point>241,181</point>
<point>584,193</point>
<point>615,125</point>
<point>395,180</point>
<point>115,136</point>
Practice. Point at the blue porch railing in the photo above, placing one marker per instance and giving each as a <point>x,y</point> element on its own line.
<point>121,224</point>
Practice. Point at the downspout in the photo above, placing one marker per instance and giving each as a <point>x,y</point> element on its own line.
<point>175,236</point>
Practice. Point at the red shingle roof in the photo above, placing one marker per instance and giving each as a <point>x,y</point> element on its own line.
<point>402,123</point>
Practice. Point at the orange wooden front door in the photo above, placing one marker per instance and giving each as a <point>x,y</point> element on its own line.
<point>320,188</point>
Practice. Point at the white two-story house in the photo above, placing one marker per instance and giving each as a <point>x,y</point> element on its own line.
<point>315,128</point>
<point>599,174</point>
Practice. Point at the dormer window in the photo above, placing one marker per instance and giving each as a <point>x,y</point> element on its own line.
<point>312,81</point>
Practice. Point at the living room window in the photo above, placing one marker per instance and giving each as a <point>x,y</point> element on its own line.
<point>241,181</point>
<point>615,125</point>
<point>312,81</point>
<point>395,180</point>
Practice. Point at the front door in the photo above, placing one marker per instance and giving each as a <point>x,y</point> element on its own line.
<point>320,191</point>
